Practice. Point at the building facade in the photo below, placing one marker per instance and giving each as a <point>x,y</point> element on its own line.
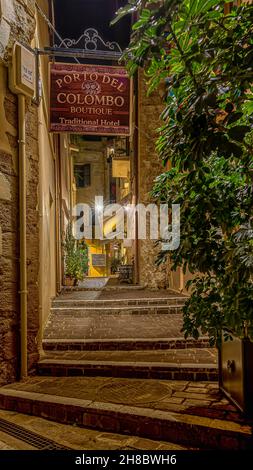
<point>61,170</point>
<point>16,18</point>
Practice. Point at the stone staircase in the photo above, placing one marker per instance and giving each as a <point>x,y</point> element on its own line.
<point>118,362</point>
<point>138,336</point>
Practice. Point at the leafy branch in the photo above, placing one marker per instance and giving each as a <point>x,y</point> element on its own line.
<point>204,59</point>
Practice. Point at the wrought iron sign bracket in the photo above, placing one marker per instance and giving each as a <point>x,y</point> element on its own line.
<point>90,45</point>
<point>79,54</point>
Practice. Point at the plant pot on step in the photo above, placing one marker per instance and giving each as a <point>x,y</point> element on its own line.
<point>236,373</point>
<point>69,281</point>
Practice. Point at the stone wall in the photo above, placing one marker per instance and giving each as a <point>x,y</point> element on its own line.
<point>16,23</point>
<point>150,166</point>
<point>32,224</point>
<point>9,278</point>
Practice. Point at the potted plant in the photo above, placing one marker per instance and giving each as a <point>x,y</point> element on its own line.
<point>74,259</point>
<point>202,53</point>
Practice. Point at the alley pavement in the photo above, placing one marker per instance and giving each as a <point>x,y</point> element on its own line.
<point>115,363</point>
<point>73,437</point>
<point>188,414</point>
<point>125,333</point>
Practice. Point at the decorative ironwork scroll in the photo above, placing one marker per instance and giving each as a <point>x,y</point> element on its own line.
<point>90,41</point>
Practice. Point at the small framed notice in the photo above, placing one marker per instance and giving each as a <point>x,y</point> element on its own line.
<point>23,71</point>
<point>98,260</point>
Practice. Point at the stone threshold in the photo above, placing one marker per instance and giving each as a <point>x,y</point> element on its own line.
<point>104,288</point>
<point>106,302</point>
<point>126,344</point>
<point>180,428</point>
<point>132,309</point>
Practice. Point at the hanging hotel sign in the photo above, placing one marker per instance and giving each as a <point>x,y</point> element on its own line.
<point>90,99</point>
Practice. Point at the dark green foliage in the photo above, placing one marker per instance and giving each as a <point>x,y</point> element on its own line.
<point>204,58</point>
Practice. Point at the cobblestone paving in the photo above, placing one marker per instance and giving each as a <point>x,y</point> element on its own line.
<point>201,399</point>
<point>79,438</point>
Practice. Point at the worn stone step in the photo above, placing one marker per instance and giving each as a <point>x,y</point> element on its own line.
<point>115,328</point>
<point>100,287</point>
<point>117,310</point>
<point>181,412</point>
<point>136,344</point>
<point>198,364</point>
<point>106,303</point>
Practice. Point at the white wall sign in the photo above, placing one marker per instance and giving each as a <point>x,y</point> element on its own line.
<point>23,71</point>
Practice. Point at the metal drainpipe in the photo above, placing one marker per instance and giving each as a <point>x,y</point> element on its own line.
<point>57,231</point>
<point>22,227</point>
<point>137,176</point>
<point>41,241</point>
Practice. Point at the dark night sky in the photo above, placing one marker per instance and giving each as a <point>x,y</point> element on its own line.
<point>72,17</point>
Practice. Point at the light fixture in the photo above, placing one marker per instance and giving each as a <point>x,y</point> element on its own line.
<point>111,151</point>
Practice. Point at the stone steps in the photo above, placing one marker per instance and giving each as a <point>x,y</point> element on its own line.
<point>127,344</point>
<point>104,288</point>
<point>106,303</point>
<point>184,364</point>
<point>185,415</point>
<point>119,310</point>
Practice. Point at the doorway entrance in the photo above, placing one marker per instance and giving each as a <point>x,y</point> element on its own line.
<point>101,165</point>
<point>102,168</point>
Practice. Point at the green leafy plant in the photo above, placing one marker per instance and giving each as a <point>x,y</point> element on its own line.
<point>202,54</point>
<point>76,258</point>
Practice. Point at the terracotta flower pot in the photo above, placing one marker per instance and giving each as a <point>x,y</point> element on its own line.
<point>69,281</point>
